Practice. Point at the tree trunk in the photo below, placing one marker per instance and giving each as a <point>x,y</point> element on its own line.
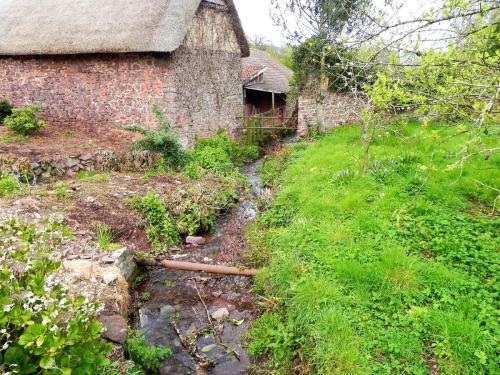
<point>323,87</point>
<point>365,141</point>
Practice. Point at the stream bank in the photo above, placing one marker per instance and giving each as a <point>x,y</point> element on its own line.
<point>203,318</point>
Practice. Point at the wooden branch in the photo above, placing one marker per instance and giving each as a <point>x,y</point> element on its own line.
<point>208,268</point>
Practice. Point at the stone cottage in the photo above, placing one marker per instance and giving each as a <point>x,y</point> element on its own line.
<point>102,63</point>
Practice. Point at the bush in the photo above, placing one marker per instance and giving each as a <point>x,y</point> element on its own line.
<point>219,154</point>
<point>150,358</point>
<point>43,330</point>
<point>8,184</point>
<point>161,140</point>
<point>5,110</point>
<point>24,121</point>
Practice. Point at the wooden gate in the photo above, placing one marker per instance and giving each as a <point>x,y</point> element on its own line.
<point>259,128</point>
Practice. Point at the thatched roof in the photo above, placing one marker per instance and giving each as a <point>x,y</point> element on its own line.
<point>57,27</point>
<point>275,76</point>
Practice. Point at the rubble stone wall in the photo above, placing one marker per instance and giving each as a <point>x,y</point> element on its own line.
<point>339,109</point>
<point>68,165</point>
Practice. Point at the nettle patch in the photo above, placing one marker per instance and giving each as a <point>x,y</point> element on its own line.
<point>43,330</point>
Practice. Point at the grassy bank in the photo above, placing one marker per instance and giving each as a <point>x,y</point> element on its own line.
<point>389,272</point>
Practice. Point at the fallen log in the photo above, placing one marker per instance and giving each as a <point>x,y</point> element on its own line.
<point>208,268</point>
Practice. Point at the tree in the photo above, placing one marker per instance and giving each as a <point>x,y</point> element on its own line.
<point>440,60</point>
<point>259,41</point>
<point>322,21</point>
<point>442,64</point>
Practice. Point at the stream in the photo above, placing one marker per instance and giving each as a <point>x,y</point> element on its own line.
<point>203,318</point>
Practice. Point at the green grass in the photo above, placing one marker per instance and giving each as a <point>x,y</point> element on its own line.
<point>104,237</point>
<point>92,177</point>
<point>383,272</point>
<point>8,185</point>
<point>13,138</point>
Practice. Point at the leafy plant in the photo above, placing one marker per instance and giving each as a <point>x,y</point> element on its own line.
<point>221,155</point>
<point>195,218</point>
<point>161,140</point>
<point>42,328</point>
<point>8,185</point>
<point>162,230</point>
<point>150,358</point>
<point>5,109</point>
<point>24,121</point>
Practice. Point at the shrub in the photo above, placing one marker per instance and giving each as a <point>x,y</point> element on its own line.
<point>24,121</point>
<point>43,330</point>
<point>150,358</point>
<point>5,109</point>
<point>161,140</point>
<point>8,184</point>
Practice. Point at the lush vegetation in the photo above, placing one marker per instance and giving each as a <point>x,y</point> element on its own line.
<point>220,155</point>
<point>148,358</point>
<point>5,109</point>
<point>43,330</point>
<point>24,121</point>
<point>390,271</point>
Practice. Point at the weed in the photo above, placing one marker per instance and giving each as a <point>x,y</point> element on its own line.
<point>274,166</point>
<point>13,138</point>
<point>161,231</point>
<point>220,155</point>
<point>149,358</point>
<point>61,191</point>
<point>105,236</point>
<point>8,185</point>
<point>145,297</point>
<point>92,177</point>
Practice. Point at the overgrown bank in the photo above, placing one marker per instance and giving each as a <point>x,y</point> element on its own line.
<point>392,271</point>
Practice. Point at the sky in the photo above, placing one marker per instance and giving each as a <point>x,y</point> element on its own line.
<point>256,20</point>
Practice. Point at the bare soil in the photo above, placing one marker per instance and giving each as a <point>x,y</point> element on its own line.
<point>68,141</point>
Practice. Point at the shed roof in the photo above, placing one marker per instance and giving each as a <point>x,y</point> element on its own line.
<point>56,27</point>
<point>275,77</point>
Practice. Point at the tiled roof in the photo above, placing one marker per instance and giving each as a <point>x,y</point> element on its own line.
<point>275,78</point>
<point>250,70</point>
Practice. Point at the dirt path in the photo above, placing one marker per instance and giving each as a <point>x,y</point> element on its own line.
<point>203,318</point>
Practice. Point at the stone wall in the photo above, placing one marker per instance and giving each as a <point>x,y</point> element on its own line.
<point>199,89</point>
<point>48,167</point>
<point>340,109</point>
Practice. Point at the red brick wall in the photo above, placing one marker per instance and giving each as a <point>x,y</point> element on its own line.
<point>102,91</point>
<point>339,109</point>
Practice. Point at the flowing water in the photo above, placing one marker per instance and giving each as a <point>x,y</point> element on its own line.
<point>177,306</point>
